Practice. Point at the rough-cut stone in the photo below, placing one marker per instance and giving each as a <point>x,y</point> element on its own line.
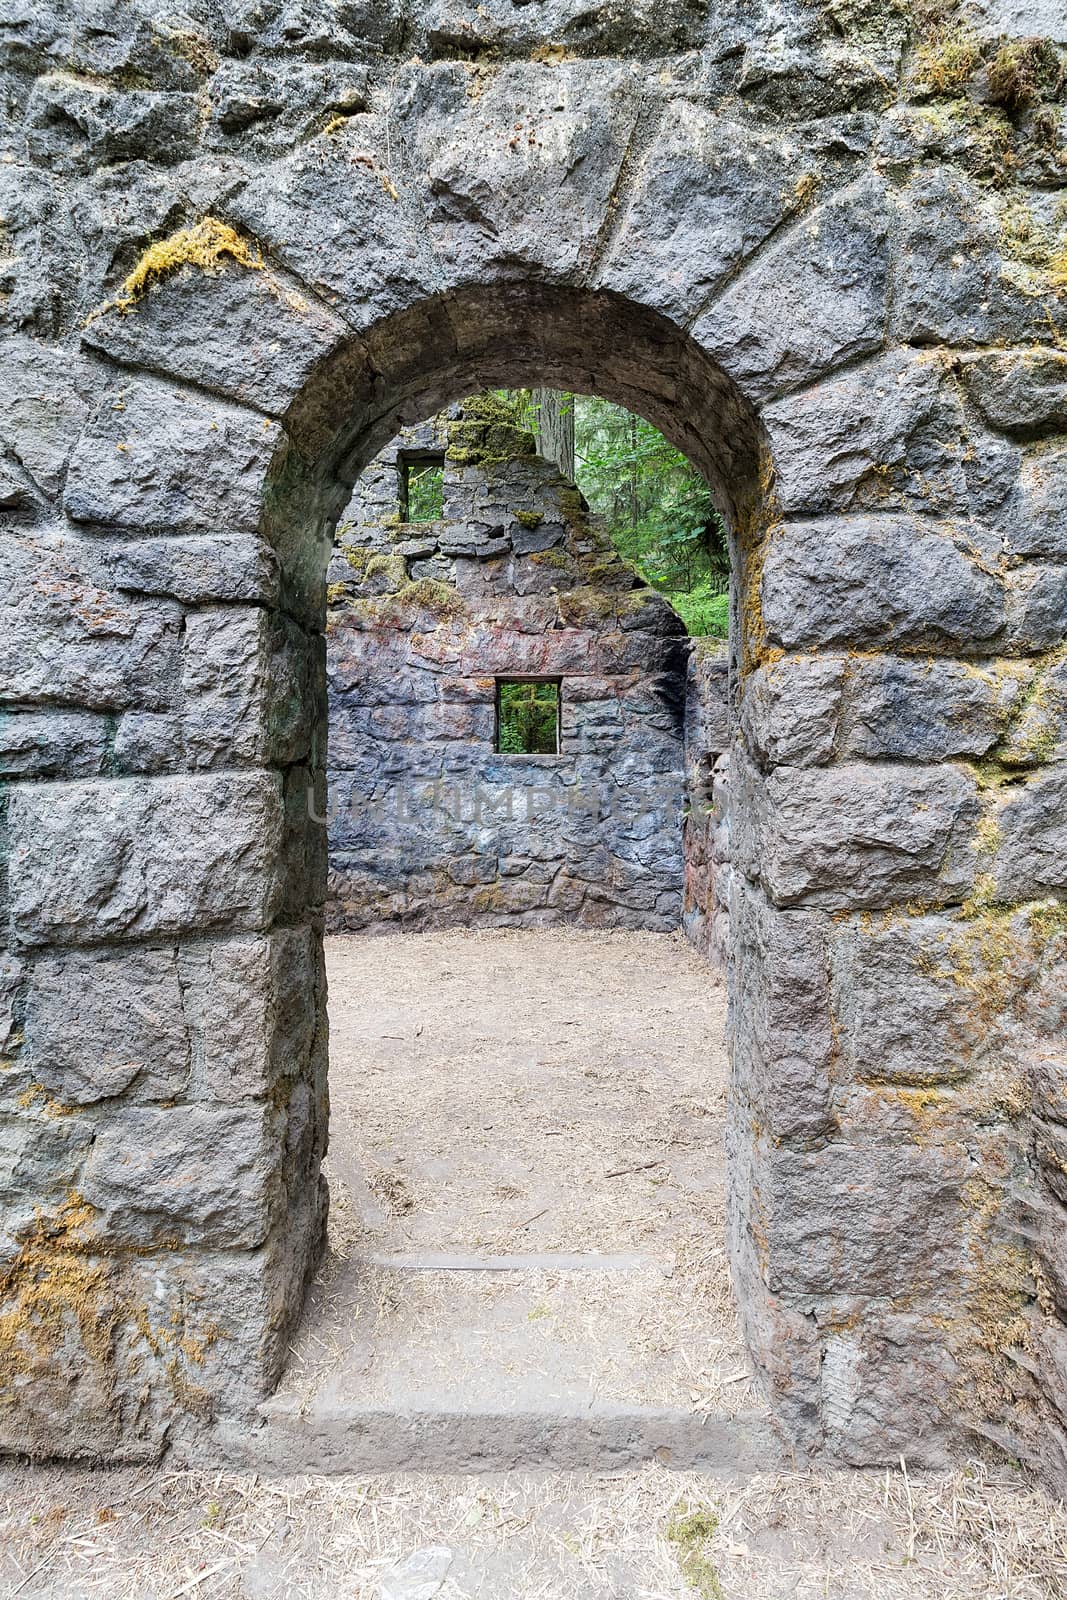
<point>67,637</point>
<point>1020,391</point>
<point>42,407</point>
<point>137,857</point>
<point>897,1001</point>
<point>1031,858</point>
<point>877,581</point>
<point>155,458</point>
<point>701,180</point>
<point>813,301</point>
<point>857,835</point>
<point>196,570</point>
<point>790,710</point>
<point>52,744</point>
<point>928,709</point>
<point>1040,528</point>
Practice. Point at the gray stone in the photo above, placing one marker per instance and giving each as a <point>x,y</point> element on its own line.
<point>930,709</point>
<point>811,302</point>
<point>196,570</point>
<point>67,638</point>
<point>128,471</point>
<point>1040,528</point>
<point>703,180</point>
<point>877,581</point>
<point>890,433</point>
<point>106,1023</point>
<point>186,1175</point>
<point>790,710</point>
<point>245,333</point>
<point>1020,391</point>
<point>136,857</point>
<point>42,407</point>
<point>1037,606</point>
<point>896,995</point>
<point>77,125</point>
<point>52,744</point>
<point>855,836</point>
<point>783,1041</point>
<point>1031,857</point>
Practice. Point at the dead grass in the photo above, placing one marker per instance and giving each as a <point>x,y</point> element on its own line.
<point>968,1535</point>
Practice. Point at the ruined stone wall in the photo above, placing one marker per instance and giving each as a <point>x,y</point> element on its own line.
<point>708,736</point>
<point>429,826</point>
<point>822,248</point>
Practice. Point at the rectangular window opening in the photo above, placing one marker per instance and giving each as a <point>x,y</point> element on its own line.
<point>527,716</point>
<point>422,488</point>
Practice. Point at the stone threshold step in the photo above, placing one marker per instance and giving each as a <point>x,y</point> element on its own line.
<point>439,1439</point>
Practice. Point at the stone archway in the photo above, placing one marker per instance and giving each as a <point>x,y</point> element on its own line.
<point>894,835</point>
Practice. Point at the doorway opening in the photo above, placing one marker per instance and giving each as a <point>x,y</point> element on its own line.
<point>528,1075</point>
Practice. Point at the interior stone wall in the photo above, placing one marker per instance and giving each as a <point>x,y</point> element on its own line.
<point>429,826</point>
<point>243,248</point>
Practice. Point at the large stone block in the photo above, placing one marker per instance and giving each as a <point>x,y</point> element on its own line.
<point>107,1023</point>
<point>43,405</point>
<point>253,688</point>
<point>790,710</point>
<point>136,857</point>
<point>905,1000</point>
<point>1031,857</point>
<point>41,1160</point>
<point>1040,525</point>
<point>781,1026</point>
<point>813,301</point>
<point>855,836</point>
<point>482,162</point>
<point>159,459</point>
<point>246,333</point>
<point>928,709</point>
<point>708,193</point>
<point>452,28</point>
<point>1020,391</point>
<point>889,434</point>
<point>185,1174</point>
<point>877,580</point>
<point>861,1215</point>
<point>77,124</point>
<point>1037,606</point>
<point>67,638</point>
<point>333,213</point>
<point>889,1384</point>
<point>196,570</point>
<point>52,744</point>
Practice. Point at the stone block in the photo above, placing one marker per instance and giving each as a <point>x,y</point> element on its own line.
<point>861,1215</point>
<point>1020,391</point>
<point>245,333</point>
<point>877,580</point>
<point>890,434</point>
<point>889,1385</point>
<point>1037,606</point>
<point>790,710</point>
<point>928,710</point>
<point>137,857</point>
<point>76,125</point>
<point>66,636</point>
<point>159,459</point>
<point>107,1023</point>
<point>185,1175</point>
<point>526,133</point>
<point>332,213</point>
<point>708,194</point>
<point>951,286</point>
<point>1040,525</point>
<point>812,301</point>
<point>855,836</point>
<point>904,1000</point>
<point>43,405</point>
<point>52,744</point>
<point>1031,856</point>
<point>782,1036</point>
<point>196,571</point>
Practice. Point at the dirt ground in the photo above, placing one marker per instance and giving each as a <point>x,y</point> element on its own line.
<point>552,1103</point>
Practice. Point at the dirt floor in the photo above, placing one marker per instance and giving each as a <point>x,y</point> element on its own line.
<point>528,1184</point>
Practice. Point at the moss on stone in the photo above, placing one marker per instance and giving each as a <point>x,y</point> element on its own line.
<point>692,1533</point>
<point>947,64</point>
<point>430,594</point>
<point>204,245</point>
<point>529,519</point>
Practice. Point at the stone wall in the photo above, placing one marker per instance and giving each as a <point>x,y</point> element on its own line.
<point>708,736</point>
<point>823,251</point>
<point>429,826</point>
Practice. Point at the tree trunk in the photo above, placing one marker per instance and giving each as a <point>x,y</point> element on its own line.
<point>554,428</point>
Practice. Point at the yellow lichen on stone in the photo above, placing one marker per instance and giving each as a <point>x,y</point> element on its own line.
<point>50,1284</point>
<point>204,245</point>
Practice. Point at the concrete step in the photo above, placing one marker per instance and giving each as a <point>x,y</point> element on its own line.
<point>442,1434</point>
<point>451,1361</point>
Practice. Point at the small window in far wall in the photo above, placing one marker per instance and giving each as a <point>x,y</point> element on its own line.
<point>527,716</point>
<point>422,488</point>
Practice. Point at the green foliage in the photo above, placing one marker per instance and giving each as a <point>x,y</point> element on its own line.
<point>528,718</point>
<point>425,491</point>
<point>658,510</point>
